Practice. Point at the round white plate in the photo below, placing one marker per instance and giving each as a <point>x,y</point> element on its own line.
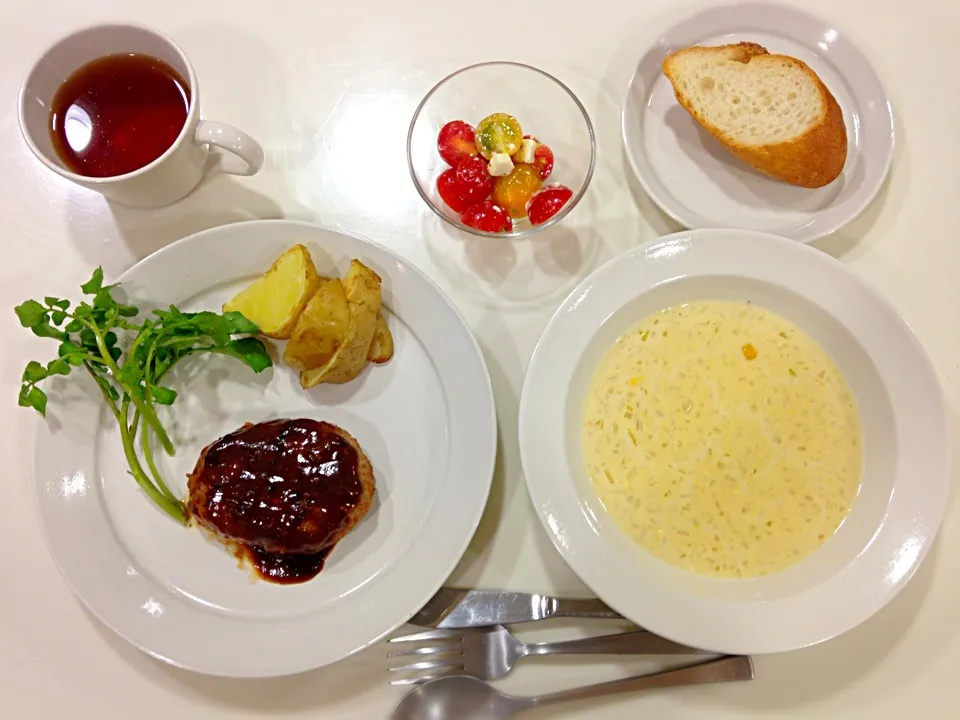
<point>701,185</point>
<point>425,419</point>
<point>905,480</point>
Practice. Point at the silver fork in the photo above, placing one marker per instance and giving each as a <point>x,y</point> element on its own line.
<point>489,653</point>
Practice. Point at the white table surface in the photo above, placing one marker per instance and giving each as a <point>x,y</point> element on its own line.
<point>306,79</point>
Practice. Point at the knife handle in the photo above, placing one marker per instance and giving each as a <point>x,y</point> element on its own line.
<point>630,643</point>
<point>585,608</point>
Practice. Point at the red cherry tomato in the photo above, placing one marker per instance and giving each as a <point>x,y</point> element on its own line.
<point>487,216</point>
<point>474,179</point>
<point>456,142</point>
<point>543,161</point>
<point>547,203</point>
<point>450,192</point>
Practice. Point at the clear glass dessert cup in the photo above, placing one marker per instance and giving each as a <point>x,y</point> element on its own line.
<point>545,108</point>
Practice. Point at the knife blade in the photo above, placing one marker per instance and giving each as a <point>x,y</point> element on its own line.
<point>457,608</point>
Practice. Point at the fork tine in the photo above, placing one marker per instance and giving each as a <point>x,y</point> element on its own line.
<point>438,635</point>
<point>427,665</point>
<point>422,679</point>
<point>429,650</point>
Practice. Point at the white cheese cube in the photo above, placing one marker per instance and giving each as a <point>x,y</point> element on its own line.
<point>526,152</point>
<point>500,164</point>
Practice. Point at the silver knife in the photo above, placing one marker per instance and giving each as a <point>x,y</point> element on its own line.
<point>455,608</point>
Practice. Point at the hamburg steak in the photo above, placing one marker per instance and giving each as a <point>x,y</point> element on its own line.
<point>290,487</point>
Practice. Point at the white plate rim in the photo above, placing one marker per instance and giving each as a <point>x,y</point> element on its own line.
<point>566,524</point>
<point>482,478</point>
<point>725,16</point>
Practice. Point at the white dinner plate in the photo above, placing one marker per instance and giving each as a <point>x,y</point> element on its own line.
<point>905,480</point>
<point>425,419</point>
<point>701,185</point>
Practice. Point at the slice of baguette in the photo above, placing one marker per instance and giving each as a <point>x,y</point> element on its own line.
<point>771,111</point>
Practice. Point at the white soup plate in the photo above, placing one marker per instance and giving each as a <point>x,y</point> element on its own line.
<point>701,185</point>
<point>905,480</point>
<point>425,419</point>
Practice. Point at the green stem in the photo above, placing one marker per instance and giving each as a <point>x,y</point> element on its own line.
<point>145,434</point>
<point>148,456</point>
<point>173,508</point>
<point>145,409</point>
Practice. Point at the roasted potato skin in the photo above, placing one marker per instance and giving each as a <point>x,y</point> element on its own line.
<point>381,348</point>
<point>321,327</point>
<point>361,285</point>
<point>294,268</point>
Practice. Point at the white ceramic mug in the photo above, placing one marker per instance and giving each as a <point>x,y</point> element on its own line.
<point>172,175</point>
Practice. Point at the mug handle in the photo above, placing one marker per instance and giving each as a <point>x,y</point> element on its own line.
<point>237,142</point>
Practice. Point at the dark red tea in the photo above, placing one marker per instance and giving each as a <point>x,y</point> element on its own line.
<point>117,114</point>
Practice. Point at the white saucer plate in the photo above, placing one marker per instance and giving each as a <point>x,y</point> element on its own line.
<point>692,178</point>
<point>905,481</point>
<point>426,420</point>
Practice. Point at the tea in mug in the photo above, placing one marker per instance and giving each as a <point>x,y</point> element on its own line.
<point>118,114</point>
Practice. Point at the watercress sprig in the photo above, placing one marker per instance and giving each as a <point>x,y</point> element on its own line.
<point>129,360</point>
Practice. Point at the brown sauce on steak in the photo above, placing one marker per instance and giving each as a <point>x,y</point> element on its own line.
<point>283,491</point>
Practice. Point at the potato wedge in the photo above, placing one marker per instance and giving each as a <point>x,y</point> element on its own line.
<point>361,285</point>
<point>275,299</point>
<point>321,328</point>
<point>381,348</point>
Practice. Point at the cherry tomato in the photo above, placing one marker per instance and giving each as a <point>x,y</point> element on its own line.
<point>455,142</point>
<point>474,179</point>
<point>512,192</point>
<point>450,192</point>
<point>498,133</point>
<point>487,216</point>
<point>542,157</point>
<point>547,203</point>
<point>543,160</point>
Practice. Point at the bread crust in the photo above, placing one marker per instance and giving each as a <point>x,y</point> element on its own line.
<point>811,160</point>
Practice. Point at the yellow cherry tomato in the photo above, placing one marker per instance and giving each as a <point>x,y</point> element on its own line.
<point>498,133</point>
<point>513,191</point>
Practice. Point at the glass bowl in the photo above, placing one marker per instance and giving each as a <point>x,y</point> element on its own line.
<point>545,107</point>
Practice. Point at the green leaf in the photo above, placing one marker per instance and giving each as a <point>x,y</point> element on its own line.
<point>238,324</point>
<point>89,341</point>
<point>34,372</point>
<point>107,386</point>
<point>130,374</point>
<point>128,310</point>
<point>104,300</point>
<point>60,366</point>
<point>83,311</point>
<point>45,329</point>
<point>56,302</point>
<point>31,313</point>
<point>68,348</point>
<point>94,284</point>
<point>163,395</point>
<point>33,397</point>
<point>214,325</point>
<point>251,351</point>
<point>58,316</point>
<point>73,326</point>
<point>115,353</point>
<point>110,339</point>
